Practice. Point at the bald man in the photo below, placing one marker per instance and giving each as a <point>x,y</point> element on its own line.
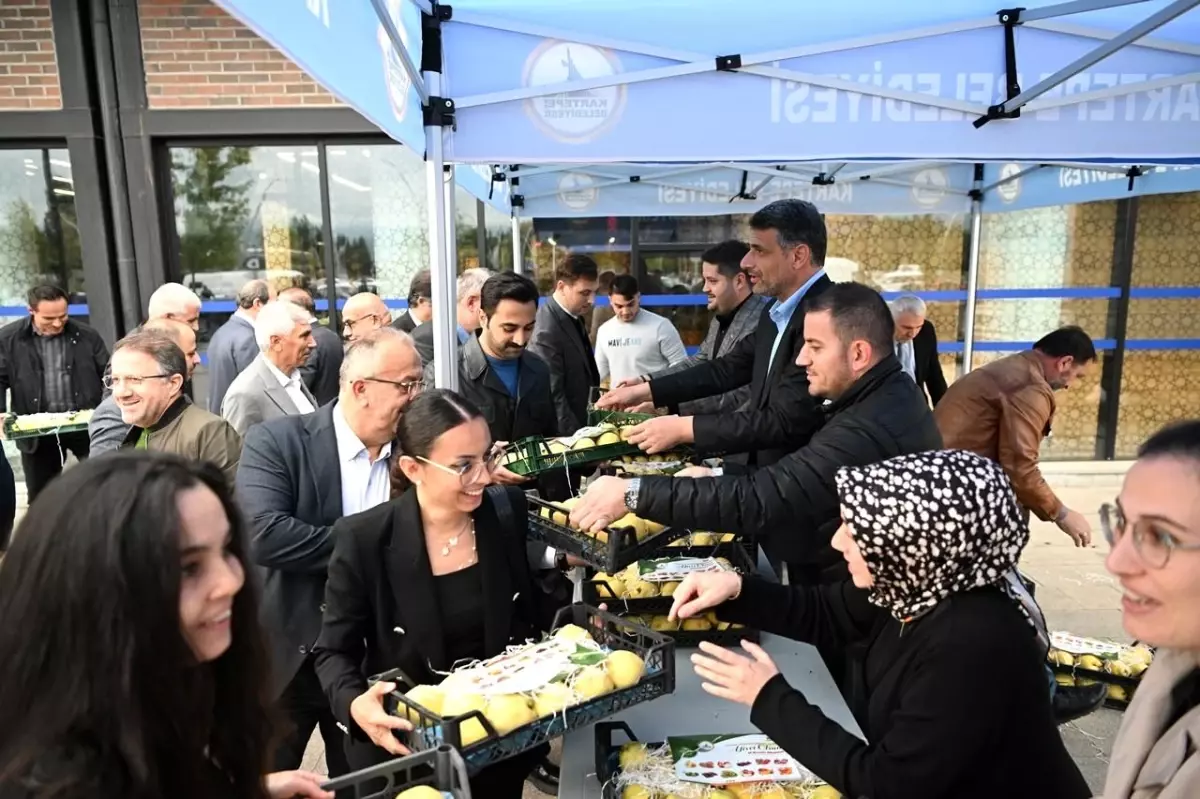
<point>362,314</point>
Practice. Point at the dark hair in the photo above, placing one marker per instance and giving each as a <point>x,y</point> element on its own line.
<point>95,668</point>
<point>45,293</point>
<point>159,345</point>
<point>576,266</point>
<point>1178,439</point>
<point>859,314</point>
<point>420,288</point>
<point>795,222</point>
<point>1068,341</point>
<point>727,257</point>
<point>299,295</point>
<point>624,286</point>
<point>506,286</point>
<point>429,415</point>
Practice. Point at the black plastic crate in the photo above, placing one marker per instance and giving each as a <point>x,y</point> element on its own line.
<point>608,754</point>
<point>607,629</point>
<point>441,768</point>
<point>621,548</point>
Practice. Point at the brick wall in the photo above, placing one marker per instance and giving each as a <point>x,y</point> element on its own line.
<point>197,56</point>
<point>28,72</point>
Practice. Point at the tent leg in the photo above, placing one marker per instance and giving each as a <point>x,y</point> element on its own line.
<point>518,254</point>
<point>448,197</point>
<point>442,272</point>
<point>972,284</point>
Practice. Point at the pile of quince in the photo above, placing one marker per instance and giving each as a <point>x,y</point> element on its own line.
<point>701,539</point>
<point>628,583</point>
<point>648,773</point>
<point>619,669</point>
<point>1129,662</point>
<point>560,514</point>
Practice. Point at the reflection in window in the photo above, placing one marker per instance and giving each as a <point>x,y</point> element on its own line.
<point>498,229</point>
<point>243,213</point>
<point>39,235</point>
<point>605,239</point>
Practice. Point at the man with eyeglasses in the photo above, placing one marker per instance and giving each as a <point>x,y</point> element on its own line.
<point>146,376</point>
<point>362,314</point>
<point>299,475</point>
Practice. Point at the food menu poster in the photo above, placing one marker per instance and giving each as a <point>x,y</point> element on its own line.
<point>725,759</point>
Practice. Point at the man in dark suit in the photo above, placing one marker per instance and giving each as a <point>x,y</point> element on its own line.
<point>467,289</point>
<point>916,346</point>
<point>320,371</point>
<point>561,340</point>
<point>298,475</point>
<point>232,348</point>
<point>420,304</point>
<point>785,262</point>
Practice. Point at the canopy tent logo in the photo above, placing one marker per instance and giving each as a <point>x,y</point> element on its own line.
<point>577,191</point>
<point>397,79</point>
<point>579,116</point>
<point>1011,189</point>
<point>930,187</point>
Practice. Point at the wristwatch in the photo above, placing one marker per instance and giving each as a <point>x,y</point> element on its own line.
<point>632,488</point>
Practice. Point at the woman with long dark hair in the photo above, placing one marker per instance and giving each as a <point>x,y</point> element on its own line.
<point>1154,531</point>
<point>950,688</point>
<point>436,576</point>
<point>133,663</point>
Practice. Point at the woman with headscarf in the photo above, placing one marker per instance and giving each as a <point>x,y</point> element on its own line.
<point>1154,531</point>
<point>950,688</point>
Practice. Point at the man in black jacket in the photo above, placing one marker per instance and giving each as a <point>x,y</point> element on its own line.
<point>875,412</point>
<point>420,303</point>
<point>52,364</point>
<point>560,339</point>
<point>916,346</point>
<point>785,262</point>
<point>320,371</point>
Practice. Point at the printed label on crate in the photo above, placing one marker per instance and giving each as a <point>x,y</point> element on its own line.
<point>1078,645</point>
<point>724,759</point>
<point>527,668</point>
<point>669,570</point>
<point>591,432</point>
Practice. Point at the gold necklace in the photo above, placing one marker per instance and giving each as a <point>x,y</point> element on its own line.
<point>452,541</point>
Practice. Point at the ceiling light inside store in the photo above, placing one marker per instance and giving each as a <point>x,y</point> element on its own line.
<point>337,152</point>
<point>310,167</point>
<point>612,239</point>
<point>65,192</point>
<point>62,179</point>
<point>60,162</point>
<point>350,184</point>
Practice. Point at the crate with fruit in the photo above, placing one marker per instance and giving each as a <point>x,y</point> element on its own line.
<point>1086,661</point>
<point>644,592</point>
<point>36,425</point>
<point>747,766</point>
<point>433,774</point>
<point>593,665</point>
<point>616,546</point>
<point>535,456</point>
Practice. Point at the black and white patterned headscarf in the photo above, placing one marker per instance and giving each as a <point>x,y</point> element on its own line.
<point>931,525</point>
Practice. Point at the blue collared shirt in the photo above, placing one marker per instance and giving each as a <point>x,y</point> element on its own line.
<point>781,312</point>
<point>463,335</point>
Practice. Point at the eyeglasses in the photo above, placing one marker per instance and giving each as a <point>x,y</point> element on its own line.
<point>348,324</point>
<point>137,381</point>
<point>1153,544</point>
<point>407,386</point>
<point>472,471</point>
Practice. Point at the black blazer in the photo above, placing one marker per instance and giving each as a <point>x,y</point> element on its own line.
<point>572,364</point>
<point>381,602</point>
<point>954,704</point>
<point>780,415</point>
<point>289,484</point>
<point>404,322</point>
<point>927,367</point>
<point>320,371</point>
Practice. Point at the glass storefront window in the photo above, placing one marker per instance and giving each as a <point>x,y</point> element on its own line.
<point>605,239</point>
<point>1160,377</point>
<point>498,229</point>
<point>39,236</point>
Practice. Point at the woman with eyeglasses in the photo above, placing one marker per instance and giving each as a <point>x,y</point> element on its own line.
<point>437,576</point>
<point>1154,532</point>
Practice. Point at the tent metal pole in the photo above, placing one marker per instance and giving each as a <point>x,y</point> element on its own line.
<point>1109,92</point>
<point>449,196</point>
<point>442,272</point>
<point>972,283</point>
<point>1103,35</point>
<point>517,250</point>
<point>1143,28</point>
<point>1073,7</point>
<point>1011,178</point>
<point>410,69</point>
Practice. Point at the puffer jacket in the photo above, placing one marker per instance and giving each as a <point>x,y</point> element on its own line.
<point>793,504</point>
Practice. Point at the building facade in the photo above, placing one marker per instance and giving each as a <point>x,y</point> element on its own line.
<point>143,141</point>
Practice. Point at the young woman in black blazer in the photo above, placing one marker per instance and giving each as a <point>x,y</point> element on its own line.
<point>951,692</point>
<point>436,576</point>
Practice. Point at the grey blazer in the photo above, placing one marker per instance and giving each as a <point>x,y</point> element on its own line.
<point>745,321</point>
<point>230,351</point>
<point>256,396</point>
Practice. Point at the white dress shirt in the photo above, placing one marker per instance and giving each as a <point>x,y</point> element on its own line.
<point>291,384</point>
<point>908,358</point>
<point>365,484</point>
